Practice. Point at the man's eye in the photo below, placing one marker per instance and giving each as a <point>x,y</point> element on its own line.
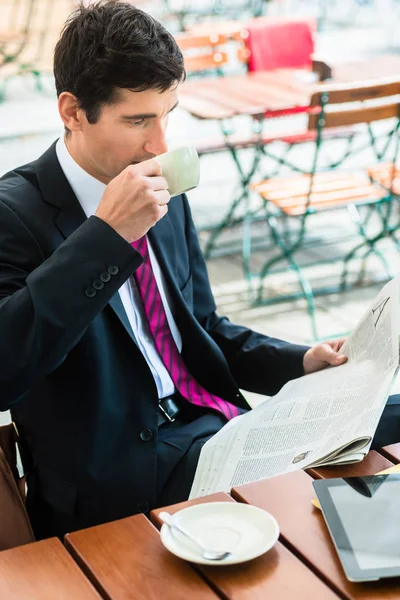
<point>138,123</point>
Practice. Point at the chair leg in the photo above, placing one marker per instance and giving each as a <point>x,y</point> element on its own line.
<point>368,243</point>
<point>288,255</point>
<point>369,246</point>
<point>243,196</point>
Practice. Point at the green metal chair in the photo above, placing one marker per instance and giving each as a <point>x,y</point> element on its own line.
<point>290,202</point>
<point>188,11</point>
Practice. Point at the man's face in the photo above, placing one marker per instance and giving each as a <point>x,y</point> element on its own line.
<point>129,131</point>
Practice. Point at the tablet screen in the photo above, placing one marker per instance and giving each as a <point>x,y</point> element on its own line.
<point>363,516</point>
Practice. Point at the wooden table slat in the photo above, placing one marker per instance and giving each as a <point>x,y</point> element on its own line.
<point>391,452</point>
<point>272,92</point>
<point>371,464</point>
<point>42,571</point>
<point>278,574</point>
<point>303,530</point>
<point>125,560</point>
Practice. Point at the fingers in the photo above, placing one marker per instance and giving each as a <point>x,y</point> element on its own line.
<point>340,344</point>
<point>162,197</point>
<point>331,356</point>
<point>163,211</point>
<point>158,183</point>
<point>149,168</point>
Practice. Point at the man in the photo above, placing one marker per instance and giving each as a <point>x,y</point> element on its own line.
<point>112,359</point>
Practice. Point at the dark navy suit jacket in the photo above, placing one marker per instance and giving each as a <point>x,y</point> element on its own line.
<point>78,386</point>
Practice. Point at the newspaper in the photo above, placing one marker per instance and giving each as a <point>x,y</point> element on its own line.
<point>325,418</point>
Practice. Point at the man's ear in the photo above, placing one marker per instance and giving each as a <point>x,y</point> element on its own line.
<point>70,112</point>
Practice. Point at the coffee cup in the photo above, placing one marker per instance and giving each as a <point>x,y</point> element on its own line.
<point>181,169</point>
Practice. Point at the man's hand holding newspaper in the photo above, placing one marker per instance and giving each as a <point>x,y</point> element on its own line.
<point>328,416</point>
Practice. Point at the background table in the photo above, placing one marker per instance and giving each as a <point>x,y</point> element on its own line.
<point>273,92</point>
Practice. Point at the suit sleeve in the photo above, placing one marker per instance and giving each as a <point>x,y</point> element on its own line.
<point>46,305</point>
<point>257,362</point>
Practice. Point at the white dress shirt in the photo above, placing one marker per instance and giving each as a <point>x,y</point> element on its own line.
<point>89,191</point>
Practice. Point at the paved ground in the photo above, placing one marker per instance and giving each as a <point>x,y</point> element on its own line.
<point>29,123</point>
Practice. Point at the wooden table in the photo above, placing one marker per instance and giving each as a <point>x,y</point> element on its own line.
<point>252,94</point>
<point>278,574</point>
<point>271,93</point>
<point>126,560</point>
<point>391,452</point>
<point>42,571</point>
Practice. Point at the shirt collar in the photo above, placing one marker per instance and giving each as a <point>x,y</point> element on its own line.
<point>86,188</point>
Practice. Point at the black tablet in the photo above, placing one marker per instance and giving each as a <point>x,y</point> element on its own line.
<point>363,518</point>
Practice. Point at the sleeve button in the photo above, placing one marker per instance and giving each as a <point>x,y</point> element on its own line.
<point>90,292</point>
<point>113,270</point>
<point>97,284</point>
<point>105,277</point>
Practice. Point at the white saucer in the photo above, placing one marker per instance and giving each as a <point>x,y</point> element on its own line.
<point>246,531</point>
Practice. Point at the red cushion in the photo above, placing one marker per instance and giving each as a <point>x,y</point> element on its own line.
<point>280,43</point>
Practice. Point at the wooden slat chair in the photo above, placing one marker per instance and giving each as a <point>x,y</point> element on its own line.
<point>47,17</point>
<point>290,201</point>
<point>203,54</point>
<point>387,175</point>
<point>246,36</point>
<point>208,54</point>
<point>289,43</point>
<point>15,21</point>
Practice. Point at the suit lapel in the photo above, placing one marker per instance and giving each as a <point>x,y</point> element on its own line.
<point>118,308</point>
<point>162,237</point>
<point>56,191</point>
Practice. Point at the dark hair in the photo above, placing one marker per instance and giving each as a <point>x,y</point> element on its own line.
<point>109,45</point>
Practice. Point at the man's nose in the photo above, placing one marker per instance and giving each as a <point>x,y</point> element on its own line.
<point>157,144</point>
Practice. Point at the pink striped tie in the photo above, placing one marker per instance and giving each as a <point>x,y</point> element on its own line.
<point>184,382</point>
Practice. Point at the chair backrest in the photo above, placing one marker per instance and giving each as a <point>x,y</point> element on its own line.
<point>338,105</point>
<point>366,103</point>
<point>15,21</point>
<point>15,528</point>
<point>278,43</point>
<point>46,20</point>
<point>202,52</point>
<point>211,51</point>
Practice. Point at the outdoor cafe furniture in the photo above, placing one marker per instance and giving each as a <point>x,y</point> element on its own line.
<point>42,571</point>
<point>263,95</point>
<point>303,565</point>
<point>259,45</point>
<point>291,201</point>
<point>298,567</point>
<point>15,20</point>
<point>27,46</point>
<point>125,559</point>
<point>189,11</point>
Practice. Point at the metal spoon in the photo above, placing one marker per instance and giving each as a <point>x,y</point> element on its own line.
<point>207,553</point>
